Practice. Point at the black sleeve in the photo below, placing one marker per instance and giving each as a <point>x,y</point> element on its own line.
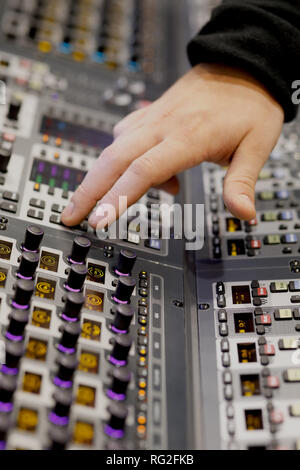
<point>261,37</point>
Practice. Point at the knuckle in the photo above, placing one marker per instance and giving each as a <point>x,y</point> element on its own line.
<point>142,167</point>
<point>246,181</point>
<point>85,194</point>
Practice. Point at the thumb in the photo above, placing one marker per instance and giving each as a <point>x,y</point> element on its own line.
<point>241,177</point>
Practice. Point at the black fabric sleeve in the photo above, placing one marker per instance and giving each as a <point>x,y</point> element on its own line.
<point>261,37</point>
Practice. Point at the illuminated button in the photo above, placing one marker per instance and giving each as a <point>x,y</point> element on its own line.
<point>260,292</point>
<point>272,240</point>
<point>276,417</point>
<point>295,410</point>
<point>27,420</point>
<point>292,375</point>
<point>33,214</point>
<point>123,318</point>
<point>32,383</point>
<point>126,263</point>
<point>8,207</point>
<point>153,244</point>
<point>56,156</point>
<point>294,286</point>
<point>286,215</point>
<point>289,238</point>
<point>83,433</point>
<point>18,320</point>
<point>267,350</point>
<point>269,217</point>
<point>37,349</point>
<point>255,244</point>
<point>252,223</point>
<point>33,239</point>
<point>141,431</point>
<point>45,139</point>
<point>283,314</point>
<point>76,278</point>
<point>73,305</point>
<point>266,196</point>
<point>80,249</point>
<point>116,423</point>
<point>272,381</point>
<point>288,343</point>
<point>45,46</point>
<point>37,203</point>
<point>120,381</point>
<point>86,396</point>
<point>282,195</point>
<point>121,348</point>
<point>91,330</point>
<point>8,386</point>
<point>37,187</point>
<point>277,287</point>
<point>60,413</point>
<point>69,339</point>
<point>28,265</point>
<point>23,293</point>
<point>124,290</point>
<point>66,369</point>
<point>263,320</point>
<point>58,142</point>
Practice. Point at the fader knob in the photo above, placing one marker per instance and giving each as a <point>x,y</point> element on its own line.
<point>66,368</point>
<point>76,278</point>
<point>18,320</point>
<point>121,348</point>
<point>126,261</point>
<point>33,239</point>
<point>69,339</point>
<point>61,411</point>
<point>28,266</point>
<point>23,294</point>
<point>14,108</point>
<point>123,317</point>
<point>120,381</point>
<point>5,155</point>
<point>73,306</point>
<point>116,424</point>
<point>124,290</point>
<point>8,386</point>
<point>80,249</point>
<point>13,354</point>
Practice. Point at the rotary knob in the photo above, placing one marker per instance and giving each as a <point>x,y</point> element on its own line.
<point>5,156</point>
<point>23,293</point>
<point>116,423</point>
<point>18,320</point>
<point>13,354</point>
<point>120,352</point>
<point>59,438</point>
<point>126,261</point>
<point>28,266</point>
<point>66,369</point>
<point>69,339</point>
<point>33,238</point>
<point>76,278</point>
<point>124,290</point>
<point>120,381</point>
<point>63,401</point>
<point>73,306</point>
<point>8,386</point>
<point>80,249</point>
<point>123,318</point>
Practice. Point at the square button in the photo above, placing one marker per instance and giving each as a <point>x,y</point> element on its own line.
<point>272,240</point>
<point>277,287</point>
<point>283,314</point>
<point>294,286</point>
<point>289,238</point>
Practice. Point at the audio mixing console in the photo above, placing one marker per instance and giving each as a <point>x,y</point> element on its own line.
<point>133,343</point>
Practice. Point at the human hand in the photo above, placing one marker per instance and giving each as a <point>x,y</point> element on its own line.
<point>213,113</point>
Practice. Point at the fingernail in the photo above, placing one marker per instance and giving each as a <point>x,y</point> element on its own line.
<point>98,218</point>
<point>69,210</point>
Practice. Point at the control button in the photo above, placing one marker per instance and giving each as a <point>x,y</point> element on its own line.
<point>286,215</point>
<point>120,352</point>
<point>255,284</point>
<point>296,313</point>
<point>8,386</point>
<point>283,314</point>
<point>260,292</point>
<point>76,278</point>
<point>272,240</point>
<point>5,156</point>
<point>60,413</point>
<point>153,244</point>
<point>295,299</point>
<point>222,316</point>
<point>264,360</point>
<point>225,345</point>
<point>294,286</point>
<point>227,377</point>
<point>282,195</point>
<point>126,261</point>
<point>69,339</point>
<point>8,207</point>
<point>12,197</point>
<point>220,288</point>
<point>267,350</point>
<point>272,381</point>
<point>73,305</point>
<point>269,217</point>
<point>120,381</point>
<point>277,287</point>
<point>23,293</point>
<point>292,375</point>
<point>289,238</point>
<point>276,417</point>
<point>18,320</point>
<point>263,320</point>
<point>80,249</point>
<point>13,354</point>
<point>221,301</point>
<point>123,318</point>
<point>288,343</point>
<point>223,329</point>
<point>57,208</point>
<point>225,360</point>
<point>260,330</point>
<point>37,203</point>
<point>14,108</point>
<point>28,265</point>
<point>295,410</point>
<point>67,366</point>
<point>33,239</point>
<point>266,196</point>
<point>55,219</point>
<point>230,412</point>
<point>228,392</point>
<point>116,424</point>
<point>124,290</point>
<point>33,214</point>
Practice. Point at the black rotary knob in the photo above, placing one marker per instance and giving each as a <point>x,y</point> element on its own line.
<point>126,261</point>
<point>28,265</point>
<point>123,317</point>
<point>33,238</point>
<point>116,423</point>
<point>80,249</point>
<point>76,278</point>
<point>69,339</point>
<point>59,438</point>
<point>120,381</point>
<point>13,354</point>
<point>63,401</point>
<point>23,293</point>
<point>5,155</point>
<point>14,108</point>
<point>121,348</point>
<point>124,290</point>
<point>18,320</point>
<point>66,368</point>
<point>8,386</point>
<point>73,306</point>
<point>5,424</point>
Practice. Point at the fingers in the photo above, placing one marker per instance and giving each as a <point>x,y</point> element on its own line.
<point>110,165</point>
<point>128,121</point>
<point>154,167</point>
<point>171,186</point>
<point>240,181</point>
